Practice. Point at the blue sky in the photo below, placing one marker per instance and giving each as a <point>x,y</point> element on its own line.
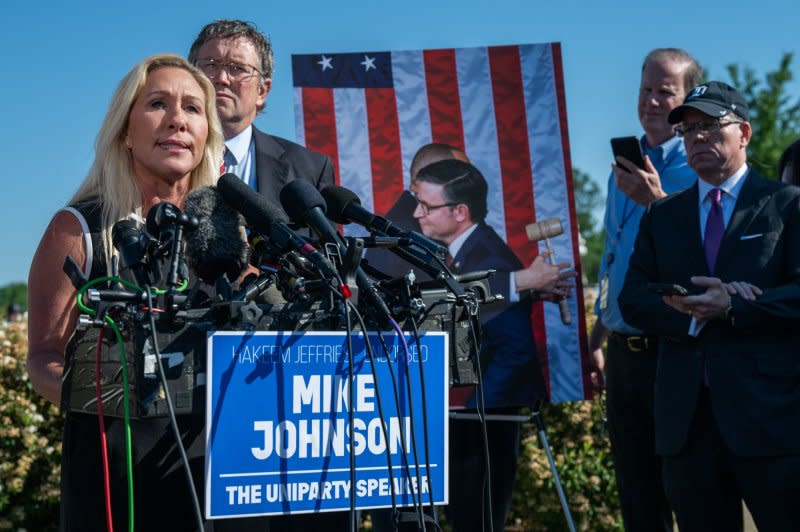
<point>62,61</point>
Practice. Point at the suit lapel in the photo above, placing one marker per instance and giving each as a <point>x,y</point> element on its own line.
<point>466,248</point>
<point>272,172</point>
<point>749,203</point>
<point>687,222</point>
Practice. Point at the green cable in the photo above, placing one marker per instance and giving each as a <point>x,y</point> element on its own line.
<point>128,443</point>
<point>184,284</point>
<point>97,281</point>
<point>124,365</point>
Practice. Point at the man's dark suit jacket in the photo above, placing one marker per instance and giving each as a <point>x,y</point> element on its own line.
<point>753,359</point>
<point>279,161</point>
<point>511,374</point>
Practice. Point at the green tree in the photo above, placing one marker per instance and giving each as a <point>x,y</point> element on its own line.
<point>774,114</point>
<point>13,293</point>
<point>588,198</point>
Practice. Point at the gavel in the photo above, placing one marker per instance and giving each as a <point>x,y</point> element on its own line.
<point>545,230</point>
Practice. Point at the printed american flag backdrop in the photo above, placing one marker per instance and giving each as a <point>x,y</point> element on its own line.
<point>504,106</point>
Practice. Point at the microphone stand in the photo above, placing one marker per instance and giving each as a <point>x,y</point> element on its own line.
<point>172,297</point>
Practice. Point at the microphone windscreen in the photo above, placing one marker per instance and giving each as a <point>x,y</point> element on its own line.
<point>258,211</point>
<point>126,237</point>
<point>298,197</point>
<point>125,232</point>
<point>338,199</point>
<point>217,246</point>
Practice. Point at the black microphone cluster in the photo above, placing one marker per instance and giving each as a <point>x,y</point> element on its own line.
<point>221,232</point>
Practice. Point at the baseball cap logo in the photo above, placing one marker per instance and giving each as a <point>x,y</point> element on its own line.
<point>697,91</point>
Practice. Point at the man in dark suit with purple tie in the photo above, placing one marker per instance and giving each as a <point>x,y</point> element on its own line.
<point>727,389</point>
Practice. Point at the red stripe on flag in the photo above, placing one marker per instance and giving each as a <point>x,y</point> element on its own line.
<point>516,172</point>
<point>384,148</point>
<point>514,150</point>
<point>444,103</point>
<point>319,120</point>
<point>558,68</point>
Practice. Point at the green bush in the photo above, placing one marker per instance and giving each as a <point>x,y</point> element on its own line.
<point>580,447</point>
<point>582,452</point>
<point>30,442</point>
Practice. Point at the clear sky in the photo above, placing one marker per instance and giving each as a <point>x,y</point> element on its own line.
<point>62,61</point>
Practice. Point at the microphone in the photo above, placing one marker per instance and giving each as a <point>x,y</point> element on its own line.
<point>344,206</point>
<point>304,204</point>
<point>217,247</point>
<point>127,240</point>
<point>266,218</point>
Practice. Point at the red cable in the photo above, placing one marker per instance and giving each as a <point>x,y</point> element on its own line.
<point>103,439</point>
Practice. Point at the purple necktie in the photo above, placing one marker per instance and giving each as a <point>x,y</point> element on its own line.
<point>715,228</point>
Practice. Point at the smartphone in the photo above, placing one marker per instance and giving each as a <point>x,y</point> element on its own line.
<point>630,148</point>
<point>667,289</point>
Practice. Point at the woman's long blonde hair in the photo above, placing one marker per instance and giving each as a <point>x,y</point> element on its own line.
<point>111,179</point>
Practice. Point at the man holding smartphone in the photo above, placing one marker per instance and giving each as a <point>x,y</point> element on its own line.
<point>668,74</point>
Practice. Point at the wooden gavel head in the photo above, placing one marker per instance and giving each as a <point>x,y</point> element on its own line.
<point>545,229</point>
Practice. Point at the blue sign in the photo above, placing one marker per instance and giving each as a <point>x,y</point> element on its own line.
<point>278,438</point>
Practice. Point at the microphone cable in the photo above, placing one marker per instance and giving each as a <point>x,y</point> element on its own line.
<point>172,419</point>
<point>351,419</point>
<point>481,411</point>
<point>371,355</point>
<point>415,329</point>
<point>401,334</point>
<point>103,436</point>
<point>124,370</point>
<point>417,507</point>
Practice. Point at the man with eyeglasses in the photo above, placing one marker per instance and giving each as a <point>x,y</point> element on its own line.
<point>540,278</point>
<point>668,74</point>
<point>238,60</point>
<point>727,392</point>
<point>451,204</point>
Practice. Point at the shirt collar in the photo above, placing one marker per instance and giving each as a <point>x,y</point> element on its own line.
<point>664,150</point>
<point>455,245</point>
<point>731,186</point>
<point>240,144</point>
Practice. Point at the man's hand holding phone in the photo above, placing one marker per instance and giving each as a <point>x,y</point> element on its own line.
<point>641,184</point>
<point>714,303</point>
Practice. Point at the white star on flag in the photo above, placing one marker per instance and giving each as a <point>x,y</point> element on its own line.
<point>368,62</point>
<point>325,63</point>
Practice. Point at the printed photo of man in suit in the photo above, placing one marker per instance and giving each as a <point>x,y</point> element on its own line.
<point>535,279</point>
<point>727,389</point>
<point>451,205</point>
<point>238,60</point>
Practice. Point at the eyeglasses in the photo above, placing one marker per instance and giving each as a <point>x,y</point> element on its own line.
<point>427,208</point>
<point>236,71</point>
<point>706,126</point>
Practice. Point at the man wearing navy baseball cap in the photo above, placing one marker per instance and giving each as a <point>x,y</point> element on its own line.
<point>727,392</point>
<point>716,99</point>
